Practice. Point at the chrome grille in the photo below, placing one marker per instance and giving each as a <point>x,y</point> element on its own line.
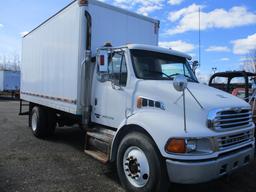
<point>228,141</point>
<point>229,119</point>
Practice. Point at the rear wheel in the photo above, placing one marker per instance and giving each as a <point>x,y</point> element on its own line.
<point>140,166</point>
<point>42,122</point>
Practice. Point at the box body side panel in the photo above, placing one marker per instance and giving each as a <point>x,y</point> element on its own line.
<point>50,66</point>
<point>120,28</point>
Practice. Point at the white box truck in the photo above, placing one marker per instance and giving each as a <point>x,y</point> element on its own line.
<point>141,106</point>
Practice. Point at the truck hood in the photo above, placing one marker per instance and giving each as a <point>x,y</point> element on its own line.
<point>210,98</point>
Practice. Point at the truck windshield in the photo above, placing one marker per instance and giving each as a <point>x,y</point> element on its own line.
<point>159,66</point>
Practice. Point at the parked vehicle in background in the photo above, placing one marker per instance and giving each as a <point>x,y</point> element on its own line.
<point>240,92</point>
<point>10,82</point>
<point>141,105</point>
<point>238,83</point>
<point>233,82</point>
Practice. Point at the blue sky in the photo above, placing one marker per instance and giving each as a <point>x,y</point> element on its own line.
<point>228,27</point>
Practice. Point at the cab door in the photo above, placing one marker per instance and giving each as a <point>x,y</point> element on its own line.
<point>110,93</point>
<point>117,93</point>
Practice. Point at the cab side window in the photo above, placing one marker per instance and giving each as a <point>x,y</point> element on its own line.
<point>118,69</point>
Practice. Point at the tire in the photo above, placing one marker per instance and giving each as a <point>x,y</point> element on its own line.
<point>42,122</point>
<point>140,166</point>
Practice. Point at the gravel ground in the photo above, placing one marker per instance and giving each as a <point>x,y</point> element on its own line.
<point>58,164</point>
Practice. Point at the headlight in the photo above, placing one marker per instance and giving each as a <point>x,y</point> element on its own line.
<point>189,146</point>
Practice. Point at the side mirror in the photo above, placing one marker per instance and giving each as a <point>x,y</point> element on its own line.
<point>180,83</point>
<point>195,65</point>
<point>102,61</point>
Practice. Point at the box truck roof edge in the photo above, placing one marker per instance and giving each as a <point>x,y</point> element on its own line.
<point>95,2</point>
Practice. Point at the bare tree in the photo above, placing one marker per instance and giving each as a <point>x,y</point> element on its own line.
<point>250,62</point>
<point>11,62</point>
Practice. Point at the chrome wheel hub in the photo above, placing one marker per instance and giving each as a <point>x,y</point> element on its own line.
<point>136,166</point>
<point>34,122</point>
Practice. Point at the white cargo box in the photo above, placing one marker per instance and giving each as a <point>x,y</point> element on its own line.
<point>52,54</point>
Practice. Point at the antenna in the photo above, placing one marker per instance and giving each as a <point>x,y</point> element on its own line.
<point>199,35</point>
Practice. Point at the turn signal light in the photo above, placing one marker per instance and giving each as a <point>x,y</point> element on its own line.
<point>176,146</point>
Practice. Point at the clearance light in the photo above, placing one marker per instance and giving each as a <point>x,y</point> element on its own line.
<point>83,2</point>
<point>108,44</point>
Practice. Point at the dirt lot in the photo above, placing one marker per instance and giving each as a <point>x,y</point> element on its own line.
<point>59,164</point>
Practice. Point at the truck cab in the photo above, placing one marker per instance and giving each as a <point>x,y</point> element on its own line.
<point>119,82</point>
<point>133,95</point>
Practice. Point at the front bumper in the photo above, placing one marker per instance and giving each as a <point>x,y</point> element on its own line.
<point>192,172</point>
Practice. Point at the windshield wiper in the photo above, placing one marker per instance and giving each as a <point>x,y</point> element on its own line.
<point>159,72</point>
<point>189,78</point>
<point>170,77</point>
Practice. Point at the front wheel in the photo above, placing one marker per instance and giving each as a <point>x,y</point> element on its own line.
<point>140,166</point>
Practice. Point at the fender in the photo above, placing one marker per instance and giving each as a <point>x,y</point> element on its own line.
<point>150,122</point>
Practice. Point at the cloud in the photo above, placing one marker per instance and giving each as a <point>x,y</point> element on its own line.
<point>244,46</point>
<point>188,18</point>
<point>22,34</point>
<point>176,15</point>
<point>217,49</point>
<point>177,45</point>
<point>148,9</point>
<point>141,6</point>
<point>175,2</point>
<point>224,59</point>
<point>1,25</point>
